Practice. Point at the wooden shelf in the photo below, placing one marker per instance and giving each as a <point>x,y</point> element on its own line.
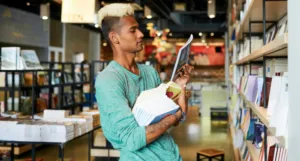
<point>260,112</point>
<point>274,11</point>
<point>254,152</point>
<point>236,151</point>
<point>278,47</point>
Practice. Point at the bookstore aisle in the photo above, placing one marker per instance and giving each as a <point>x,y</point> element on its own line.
<point>193,135</point>
<point>263,81</point>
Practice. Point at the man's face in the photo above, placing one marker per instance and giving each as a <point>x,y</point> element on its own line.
<point>129,36</point>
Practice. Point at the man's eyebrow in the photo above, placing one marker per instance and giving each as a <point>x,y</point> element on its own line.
<point>134,27</point>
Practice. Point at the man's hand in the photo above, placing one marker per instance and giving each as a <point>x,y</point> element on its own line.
<point>155,130</point>
<point>182,79</point>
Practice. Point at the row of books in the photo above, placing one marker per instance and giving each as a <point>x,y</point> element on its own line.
<point>42,78</point>
<point>257,42</point>
<point>55,126</point>
<point>277,98</point>
<point>249,133</point>
<point>42,102</point>
<point>13,58</point>
<point>244,48</point>
<point>274,67</point>
<point>275,151</point>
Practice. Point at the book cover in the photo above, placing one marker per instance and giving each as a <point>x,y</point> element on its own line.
<point>9,58</point>
<point>274,94</point>
<point>30,59</point>
<point>268,87</point>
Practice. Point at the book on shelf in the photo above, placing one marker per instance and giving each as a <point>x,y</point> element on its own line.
<point>268,87</point>
<point>279,115</point>
<point>274,66</point>
<point>260,83</point>
<point>251,88</point>
<point>282,26</point>
<point>10,80</point>
<point>30,59</point>
<point>10,58</point>
<point>274,94</point>
<point>154,104</point>
<point>275,152</point>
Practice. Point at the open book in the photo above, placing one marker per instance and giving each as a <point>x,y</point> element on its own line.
<point>182,58</point>
<point>155,104</point>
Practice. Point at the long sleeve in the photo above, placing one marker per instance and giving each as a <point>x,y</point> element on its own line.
<point>117,120</point>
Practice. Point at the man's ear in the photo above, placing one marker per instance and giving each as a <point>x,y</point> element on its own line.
<point>113,37</point>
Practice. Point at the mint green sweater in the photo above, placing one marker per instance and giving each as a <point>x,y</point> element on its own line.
<point>116,91</point>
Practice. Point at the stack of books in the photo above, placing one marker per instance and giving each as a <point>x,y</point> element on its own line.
<point>53,126</point>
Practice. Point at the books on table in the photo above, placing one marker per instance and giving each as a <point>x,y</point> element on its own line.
<point>53,126</point>
<point>155,104</point>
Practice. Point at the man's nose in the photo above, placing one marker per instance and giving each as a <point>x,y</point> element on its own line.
<point>140,34</point>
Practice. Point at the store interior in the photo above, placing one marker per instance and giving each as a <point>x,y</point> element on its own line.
<point>53,50</point>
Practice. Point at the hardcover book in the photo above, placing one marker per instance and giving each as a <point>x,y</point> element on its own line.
<point>30,59</point>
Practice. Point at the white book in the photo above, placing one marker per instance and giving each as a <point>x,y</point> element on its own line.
<point>30,59</point>
<point>55,114</point>
<point>274,94</point>
<point>260,83</point>
<point>280,116</point>
<point>9,58</point>
<point>153,105</point>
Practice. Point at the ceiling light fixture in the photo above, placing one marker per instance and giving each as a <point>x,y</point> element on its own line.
<point>149,16</point>
<point>45,11</point>
<point>45,17</point>
<point>200,34</point>
<point>147,12</point>
<point>212,16</point>
<point>27,3</point>
<point>211,9</point>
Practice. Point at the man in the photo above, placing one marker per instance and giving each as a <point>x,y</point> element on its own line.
<point>119,85</point>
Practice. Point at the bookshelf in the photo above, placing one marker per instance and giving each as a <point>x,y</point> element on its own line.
<point>259,111</point>
<point>278,47</point>
<point>274,11</point>
<point>254,152</point>
<point>35,88</point>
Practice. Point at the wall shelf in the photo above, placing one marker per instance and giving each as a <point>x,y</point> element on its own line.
<point>274,11</point>
<point>277,47</point>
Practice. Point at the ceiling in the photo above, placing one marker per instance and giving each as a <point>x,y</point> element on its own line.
<point>181,23</point>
